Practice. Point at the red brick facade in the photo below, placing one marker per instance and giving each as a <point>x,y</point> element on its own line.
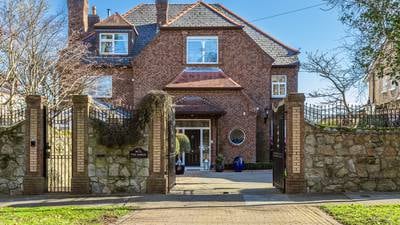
<point>240,58</point>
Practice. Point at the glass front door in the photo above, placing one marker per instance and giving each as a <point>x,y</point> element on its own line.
<point>192,158</point>
<point>199,134</point>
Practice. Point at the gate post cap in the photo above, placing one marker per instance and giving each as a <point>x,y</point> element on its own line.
<point>296,97</point>
<point>35,99</point>
<point>80,98</point>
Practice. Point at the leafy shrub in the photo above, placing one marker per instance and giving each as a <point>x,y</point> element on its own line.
<point>177,146</point>
<point>183,142</point>
<point>132,131</point>
<point>220,159</point>
<point>114,134</point>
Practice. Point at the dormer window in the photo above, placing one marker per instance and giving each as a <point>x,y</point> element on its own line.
<point>114,43</point>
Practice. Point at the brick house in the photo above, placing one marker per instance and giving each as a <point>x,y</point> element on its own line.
<point>224,73</point>
<point>382,90</point>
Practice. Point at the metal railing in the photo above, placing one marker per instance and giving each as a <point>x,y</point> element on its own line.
<point>111,114</point>
<point>10,116</point>
<point>353,116</point>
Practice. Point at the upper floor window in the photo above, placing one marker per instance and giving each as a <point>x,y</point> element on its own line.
<point>113,43</point>
<point>100,87</point>
<point>279,86</point>
<point>202,50</point>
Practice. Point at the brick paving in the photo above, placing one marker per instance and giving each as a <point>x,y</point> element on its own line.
<point>225,198</point>
<point>274,215</point>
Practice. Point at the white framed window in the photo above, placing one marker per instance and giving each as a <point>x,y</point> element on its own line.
<point>114,43</point>
<point>100,87</point>
<point>202,50</point>
<point>279,86</point>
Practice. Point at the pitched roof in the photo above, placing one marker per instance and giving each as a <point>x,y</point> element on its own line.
<point>281,53</point>
<point>201,15</point>
<point>190,105</point>
<point>114,20</point>
<point>203,78</point>
<point>144,18</point>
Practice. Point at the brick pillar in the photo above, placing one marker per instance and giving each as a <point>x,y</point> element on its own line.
<point>34,180</point>
<point>80,137</point>
<point>294,106</point>
<point>158,145</point>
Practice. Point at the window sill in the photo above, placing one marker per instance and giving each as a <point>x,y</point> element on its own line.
<point>279,97</point>
<point>122,54</point>
<point>202,64</point>
<point>101,97</point>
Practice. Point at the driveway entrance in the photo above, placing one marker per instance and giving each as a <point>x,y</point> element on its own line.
<point>211,183</point>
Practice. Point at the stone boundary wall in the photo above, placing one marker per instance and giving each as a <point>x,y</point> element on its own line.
<point>349,161</point>
<point>111,170</point>
<point>12,159</point>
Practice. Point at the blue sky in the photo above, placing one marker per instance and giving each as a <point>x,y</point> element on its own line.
<point>308,30</point>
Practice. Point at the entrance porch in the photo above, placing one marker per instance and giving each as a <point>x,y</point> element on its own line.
<point>198,120</point>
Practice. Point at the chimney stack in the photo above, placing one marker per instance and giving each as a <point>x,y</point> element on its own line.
<point>162,12</point>
<point>93,19</point>
<point>77,18</point>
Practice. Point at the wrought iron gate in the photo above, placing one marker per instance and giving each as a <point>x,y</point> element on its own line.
<point>58,130</point>
<point>279,148</point>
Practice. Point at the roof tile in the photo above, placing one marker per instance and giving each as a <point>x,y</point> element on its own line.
<point>207,78</point>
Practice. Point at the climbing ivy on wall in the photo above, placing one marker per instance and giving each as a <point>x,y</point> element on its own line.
<point>132,132</point>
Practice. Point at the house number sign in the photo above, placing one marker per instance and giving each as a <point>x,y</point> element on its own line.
<point>138,153</point>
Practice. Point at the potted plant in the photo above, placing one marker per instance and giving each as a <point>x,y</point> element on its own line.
<point>220,163</point>
<point>182,145</point>
<point>238,164</point>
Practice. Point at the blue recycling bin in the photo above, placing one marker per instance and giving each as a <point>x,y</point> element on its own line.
<point>238,164</point>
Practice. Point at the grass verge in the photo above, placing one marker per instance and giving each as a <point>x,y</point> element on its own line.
<point>357,214</point>
<point>61,215</point>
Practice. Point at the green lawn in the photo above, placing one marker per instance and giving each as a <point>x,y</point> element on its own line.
<point>356,214</point>
<point>61,215</point>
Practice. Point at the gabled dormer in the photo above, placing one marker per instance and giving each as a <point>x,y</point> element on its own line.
<point>115,36</point>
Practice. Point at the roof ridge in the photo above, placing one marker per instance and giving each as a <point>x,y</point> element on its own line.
<point>220,13</point>
<point>228,77</point>
<point>133,9</point>
<point>258,29</point>
<point>190,7</point>
<point>124,19</point>
<point>114,15</point>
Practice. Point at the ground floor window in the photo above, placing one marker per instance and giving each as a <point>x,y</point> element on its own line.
<point>237,137</point>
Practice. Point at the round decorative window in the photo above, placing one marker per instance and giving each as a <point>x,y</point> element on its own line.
<point>237,137</point>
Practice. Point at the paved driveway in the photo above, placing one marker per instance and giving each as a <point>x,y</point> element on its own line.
<point>274,215</point>
<point>224,198</point>
<point>206,183</point>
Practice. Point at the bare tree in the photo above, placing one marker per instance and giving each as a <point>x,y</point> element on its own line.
<point>35,56</point>
<point>341,80</point>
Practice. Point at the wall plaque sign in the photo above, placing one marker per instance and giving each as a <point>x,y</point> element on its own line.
<point>138,153</point>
